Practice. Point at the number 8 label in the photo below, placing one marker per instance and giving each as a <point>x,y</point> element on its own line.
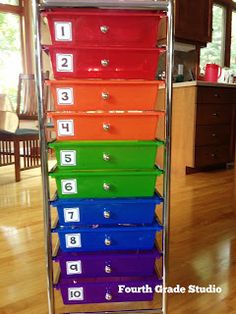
<point>73,240</point>
<point>63,31</point>
<point>64,62</point>
<point>69,186</point>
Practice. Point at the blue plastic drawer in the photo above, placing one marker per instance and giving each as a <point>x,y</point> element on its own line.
<point>103,238</point>
<point>107,211</point>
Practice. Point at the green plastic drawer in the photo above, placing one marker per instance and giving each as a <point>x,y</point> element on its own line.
<point>105,184</point>
<point>87,155</point>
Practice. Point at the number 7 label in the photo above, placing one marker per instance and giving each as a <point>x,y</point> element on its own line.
<point>71,215</point>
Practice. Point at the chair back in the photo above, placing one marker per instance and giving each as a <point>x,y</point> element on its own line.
<point>9,121</point>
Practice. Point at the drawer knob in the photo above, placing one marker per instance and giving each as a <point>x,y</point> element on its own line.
<point>106,157</point>
<point>213,156</point>
<point>216,95</point>
<point>106,126</point>
<point>104,62</point>
<point>106,186</point>
<point>107,241</point>
<point>106,214</point>
<point>104,29</point>
<point>213,135</point>
<point>215,114</point>
<point>105,95</point>
<point>108,269</point>
<point>108,296</point>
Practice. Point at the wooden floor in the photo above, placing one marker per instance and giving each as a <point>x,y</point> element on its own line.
<point>202,250</point>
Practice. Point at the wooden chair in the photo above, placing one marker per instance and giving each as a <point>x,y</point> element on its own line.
<point>20,146</point>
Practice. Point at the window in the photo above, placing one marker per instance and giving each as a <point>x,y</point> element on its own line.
<point>233,42</point>
<point>11,2</point>
<point>214,52</point>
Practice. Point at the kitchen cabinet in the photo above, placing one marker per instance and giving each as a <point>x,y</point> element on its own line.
<point>203,126</point>
<point>193,21</point>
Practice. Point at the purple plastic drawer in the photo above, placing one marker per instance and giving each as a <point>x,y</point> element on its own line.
<point>103,290</point>
<point>107,264</point>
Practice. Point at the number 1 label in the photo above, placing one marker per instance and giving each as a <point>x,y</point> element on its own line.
<point>64,62</point>
<point>63,31</point>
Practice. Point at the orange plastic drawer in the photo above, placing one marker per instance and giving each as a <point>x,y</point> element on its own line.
<point>80,95</point>
<point>106,126</point>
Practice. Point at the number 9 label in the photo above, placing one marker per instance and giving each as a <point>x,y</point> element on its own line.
<point>64,62</point>
<point>69,186</point>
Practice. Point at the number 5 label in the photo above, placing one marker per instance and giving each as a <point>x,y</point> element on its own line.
<point>65,127</point>
<point>68,157</point>
<point>71,215</point>
<point>69,186</point>
<point>64,62</point>
<point>63,31</point>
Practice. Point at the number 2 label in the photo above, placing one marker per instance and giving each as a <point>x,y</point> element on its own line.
<point>63,31</point>
<point>64,62</point>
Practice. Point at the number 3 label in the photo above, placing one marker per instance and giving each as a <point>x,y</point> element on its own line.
<point>65,96</point>
<point>73,240</point>
<point>63,31</point>
<point>69,186</point>
<point>65,127</point>
<point>71,215</point>
<point>64,62</point>
<point>68,157</point>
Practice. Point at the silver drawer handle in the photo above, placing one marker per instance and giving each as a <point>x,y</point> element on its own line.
<point>215,114</point>
<point>104,62</point>
<point>104,29</point>
<point>216,95</point>
<point>105,95</point>
<point>108,296</point>
<point>106,126</point>
<point>107,242</point>
<point>106,157</point>
<point>106,186</point>
<point>108,269</point>
<point>213,135</point>
<point>213,155</point>
<point>106,214</point>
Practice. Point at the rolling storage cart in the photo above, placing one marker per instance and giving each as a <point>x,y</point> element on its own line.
<point>104,57</point>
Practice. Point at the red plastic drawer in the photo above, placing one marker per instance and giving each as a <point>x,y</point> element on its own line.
<point>82,95</point>
<point>101,28</point>
<point>105,63</point>
<point>106,126</point>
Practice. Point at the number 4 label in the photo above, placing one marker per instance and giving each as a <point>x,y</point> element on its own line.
<point>63,31</point>
<point>65,127</point>
<point>64,62</point>
<point>71,215</point>
<point>69,186</point>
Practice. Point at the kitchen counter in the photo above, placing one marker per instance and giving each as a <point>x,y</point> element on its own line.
<point>203,83</point>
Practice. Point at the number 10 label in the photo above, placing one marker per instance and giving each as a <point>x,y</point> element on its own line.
<point>76,294</point>
<point>63,31</point>
<point>64,62</point>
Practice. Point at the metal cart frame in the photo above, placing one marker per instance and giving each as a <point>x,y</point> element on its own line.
<point>164,5</point>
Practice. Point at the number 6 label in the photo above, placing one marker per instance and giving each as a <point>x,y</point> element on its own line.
<point>65,96</point>
<point>64,62</point>
<point>63,31</point>
<point>69,186</point>
<point>68,157</point>
<point>73,240</point>
<point>65,127</point>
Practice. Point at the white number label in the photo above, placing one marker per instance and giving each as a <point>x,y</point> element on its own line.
<point>63,31</point>
<point>76,294</point>
<point>73,268</point>
<point>71,215</point>
<point>69,186</point>
<point>65,127</point>
<point>65,96</point>
<point>68,157</point>
<point>73,240</point>
<point>64,62</point>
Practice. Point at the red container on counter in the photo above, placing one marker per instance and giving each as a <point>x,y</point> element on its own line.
<point>104,63</point>
<point>83,95</point>
<point>117,125</point>
<point>101,28</point>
